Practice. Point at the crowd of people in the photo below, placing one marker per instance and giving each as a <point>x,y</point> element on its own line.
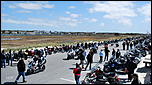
<point>131,65</point>
<point>79,49</point>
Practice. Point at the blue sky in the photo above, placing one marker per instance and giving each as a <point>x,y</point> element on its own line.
<point>77,16</point>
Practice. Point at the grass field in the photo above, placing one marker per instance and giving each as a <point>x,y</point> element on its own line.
<point>40,41</point>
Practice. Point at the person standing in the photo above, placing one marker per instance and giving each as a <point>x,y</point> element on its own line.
<point>106,52</point>
<point>131,44</point>
<point>3,59</point>
<point>123,45</point>
<point>86,45</point>
<point>113,53</point>
<point>84,54</point>
<point>82,58</point>
<point>21,70</point>
<point>89,59</point>
<point>101,56</point>
<point>131,66</point>
<point>11,57</point>
<point>118,53</point>
<point>20,54</point>
<point>127,45</point>
<point>77,73</point>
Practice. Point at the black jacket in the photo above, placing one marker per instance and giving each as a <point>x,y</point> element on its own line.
<point>131,67</point>
<point>3,56</point>
<point>90,57</point>
<point>134,82</point>
<point>21,66</point>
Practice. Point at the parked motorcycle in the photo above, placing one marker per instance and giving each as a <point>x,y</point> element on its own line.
<point>34,67</point>
<point>70,55</point>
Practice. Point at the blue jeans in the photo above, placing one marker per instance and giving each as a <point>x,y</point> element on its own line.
<point>3,62</point>
<point>19,74</point>
<point>77,79</point>
<point>12,59</point>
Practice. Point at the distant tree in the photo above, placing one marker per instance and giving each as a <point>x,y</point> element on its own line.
<point>9,32</point>
<point>50,31</point>
<point>116,34</point>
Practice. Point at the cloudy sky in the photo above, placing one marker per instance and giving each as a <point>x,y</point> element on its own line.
<point>77,16</point>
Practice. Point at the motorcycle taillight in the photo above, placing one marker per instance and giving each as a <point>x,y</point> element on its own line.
<point>118,78</point>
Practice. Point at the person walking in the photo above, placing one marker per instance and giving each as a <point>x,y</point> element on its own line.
<point>89,59</point>
<point>21,70</point>
<point>77,73</point>
<point>101,56</point>
<point>123,44</point>
<point>118,53</point>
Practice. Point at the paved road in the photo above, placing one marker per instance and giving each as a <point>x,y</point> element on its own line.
<point>58,71</point>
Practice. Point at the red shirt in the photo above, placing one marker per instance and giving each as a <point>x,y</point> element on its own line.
<point>76,71</point>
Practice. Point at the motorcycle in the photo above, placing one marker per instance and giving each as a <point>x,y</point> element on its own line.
<point>70,55</point>
<point>34,67</point>
<point>101,77</point>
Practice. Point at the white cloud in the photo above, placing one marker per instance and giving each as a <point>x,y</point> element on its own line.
<point>12,6</point>
<point>72,14</point>
<point>34,6</point>
<point>65,18</point>
<point>92,2</point>
<point>72,7</point>
<point>117,10</point>
<point>69,21</point>
<point>90,19</point>
<point>23,11</point>
<point>67,12</point>
<point>72,24</point>
<point>3,15</point>
<point>125,21</point>
<point>48,6</point>
<point>146,11</point>
<point>28,22</point>
<point>93,20</point>
<point>75,15</point>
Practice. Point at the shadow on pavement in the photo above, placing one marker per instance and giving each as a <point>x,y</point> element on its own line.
<point>65,59</point>
<point>10,83</point>
<point>144,70</point>
<point>71,68</point>
<point>147,79</point>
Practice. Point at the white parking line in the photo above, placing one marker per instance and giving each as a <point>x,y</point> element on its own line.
<point>67,80</point>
